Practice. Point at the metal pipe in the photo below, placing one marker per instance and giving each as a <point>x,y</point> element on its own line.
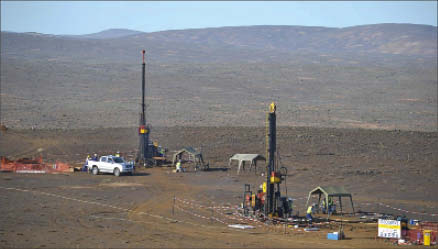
<point>143,84</point>
<point>143,90</point>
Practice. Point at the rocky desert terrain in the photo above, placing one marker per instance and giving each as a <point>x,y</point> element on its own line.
<point>395,168</point>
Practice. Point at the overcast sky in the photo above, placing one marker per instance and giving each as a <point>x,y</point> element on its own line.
<point>84,17</point>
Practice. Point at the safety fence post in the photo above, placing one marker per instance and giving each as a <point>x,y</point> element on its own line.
<point>173,206</point>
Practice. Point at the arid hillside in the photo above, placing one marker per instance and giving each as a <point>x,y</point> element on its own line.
<point>251,43</point>
<point>379,76</point>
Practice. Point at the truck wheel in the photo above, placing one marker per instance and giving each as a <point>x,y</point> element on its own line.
<point>117,172</point>
<point>95,170</point>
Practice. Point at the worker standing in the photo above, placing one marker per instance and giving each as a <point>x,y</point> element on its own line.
<point>178,166</point>
<point>290,202</point>
<point>85,166</point>
<point>324,206</point>
<point>309,214</point>
<point>162,151</point>
<point>117,154</point>
<point>331,207</point>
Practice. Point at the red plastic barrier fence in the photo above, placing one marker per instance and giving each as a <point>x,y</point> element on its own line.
<point>416,235</point>
<point>26,165</point>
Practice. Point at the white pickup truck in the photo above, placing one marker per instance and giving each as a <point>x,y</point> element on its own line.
<point>110,164</point>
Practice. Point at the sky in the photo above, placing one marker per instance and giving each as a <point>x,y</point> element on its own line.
<point>85,17</point>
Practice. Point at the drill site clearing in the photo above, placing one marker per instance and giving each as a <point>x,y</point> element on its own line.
<point>211,187</point>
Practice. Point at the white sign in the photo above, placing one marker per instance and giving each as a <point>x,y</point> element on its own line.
<point>389,229</point>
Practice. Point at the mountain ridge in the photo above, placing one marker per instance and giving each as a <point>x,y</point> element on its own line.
<point>260,40</point>
<point>107,34</point>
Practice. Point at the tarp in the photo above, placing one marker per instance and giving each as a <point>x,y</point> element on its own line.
<point>197,156</point>
<point>242,158</point>
<point>240,226</point>
<point>330,191</point>
<point>190,150</point>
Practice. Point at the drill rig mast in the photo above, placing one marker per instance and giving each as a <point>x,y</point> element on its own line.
<point>269,202</point>
<point>271,136</point>
<point>143,130</point>
<point>149,153</point>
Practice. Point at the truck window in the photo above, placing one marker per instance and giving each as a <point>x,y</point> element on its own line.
<point>110,160</point>
<point>103,159</point>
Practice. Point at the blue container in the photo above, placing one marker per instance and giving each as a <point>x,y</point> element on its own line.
<point>413,222</point>
<point>333,236</point>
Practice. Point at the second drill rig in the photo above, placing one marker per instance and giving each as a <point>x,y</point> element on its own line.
<point>268,202</point>
<point>148,153</point>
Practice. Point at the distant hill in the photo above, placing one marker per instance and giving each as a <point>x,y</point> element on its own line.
<point>249,44</point>
<point>108,34</point>
<point>380,38</point>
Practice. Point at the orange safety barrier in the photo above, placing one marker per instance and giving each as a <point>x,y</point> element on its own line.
<point>429,225</point>
<point>26,165</point>
<point>416,235</point>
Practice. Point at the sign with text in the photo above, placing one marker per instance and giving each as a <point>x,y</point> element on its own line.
<point>389,229</point>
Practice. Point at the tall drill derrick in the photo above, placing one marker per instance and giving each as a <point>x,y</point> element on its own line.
<point>143,130</point>
<point>270,152</point>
